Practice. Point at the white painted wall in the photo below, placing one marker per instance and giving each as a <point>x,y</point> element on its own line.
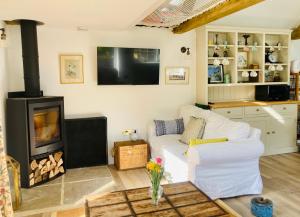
<point>295,49</point>
<point>125,106</point>
<point>3,85</point>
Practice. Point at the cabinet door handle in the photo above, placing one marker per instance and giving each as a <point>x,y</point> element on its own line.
<point>257,110</point>
<point>228,112</point>
<point>273,132</point>
<point>284,108</point>
<point>268,133</point>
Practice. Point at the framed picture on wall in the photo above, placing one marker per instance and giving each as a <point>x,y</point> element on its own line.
<point>215,74</point>
<point>71,69</point>
<point>242,60</point>
<point>177,75</point>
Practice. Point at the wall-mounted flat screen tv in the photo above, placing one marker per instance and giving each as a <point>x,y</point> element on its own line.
<point>128,66</point>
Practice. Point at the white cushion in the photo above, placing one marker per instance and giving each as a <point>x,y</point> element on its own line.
<point>217,126</point>
<point>193,130</point>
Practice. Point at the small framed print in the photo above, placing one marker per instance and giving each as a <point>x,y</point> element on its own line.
<point>71,69</point>
<point>215,74</point>
<point>242,60</point>
<point>177,75</point>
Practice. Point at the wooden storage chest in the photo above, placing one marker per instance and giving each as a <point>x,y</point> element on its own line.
<point>131,154</point>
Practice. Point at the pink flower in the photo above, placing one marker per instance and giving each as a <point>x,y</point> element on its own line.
<point>158,160</point>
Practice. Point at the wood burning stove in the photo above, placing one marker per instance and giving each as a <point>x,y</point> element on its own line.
<point>35,123</point>
<point>35,130</point>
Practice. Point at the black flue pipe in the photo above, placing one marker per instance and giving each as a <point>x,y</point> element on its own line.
<point>30,58</point>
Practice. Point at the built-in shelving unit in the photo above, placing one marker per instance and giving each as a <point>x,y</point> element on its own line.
<point>248,57</point>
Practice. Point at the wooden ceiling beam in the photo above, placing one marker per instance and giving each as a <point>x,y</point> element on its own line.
<point>224,9</point>
<point>296,33</point>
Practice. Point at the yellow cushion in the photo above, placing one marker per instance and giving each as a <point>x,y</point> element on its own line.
<point>194,142</point>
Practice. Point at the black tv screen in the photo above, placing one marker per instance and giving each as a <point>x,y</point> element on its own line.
<point>123,66</point>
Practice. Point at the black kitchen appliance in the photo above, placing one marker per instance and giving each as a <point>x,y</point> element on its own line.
<point>272,92</point>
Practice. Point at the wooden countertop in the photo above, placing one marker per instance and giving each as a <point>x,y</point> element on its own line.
<point>217,105</point>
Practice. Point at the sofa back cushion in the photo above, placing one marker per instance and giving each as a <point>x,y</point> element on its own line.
<point>165,127</point>
<point>193,130</point>
<point>216,126</point>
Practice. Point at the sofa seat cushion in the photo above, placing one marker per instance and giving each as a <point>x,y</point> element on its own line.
<point>216,126</point>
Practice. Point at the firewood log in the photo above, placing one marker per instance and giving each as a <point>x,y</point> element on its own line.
<point>57,156</point>
<point>51,174</point>
<point>52,159</point>
<point>37,173</point>
<point>31,182</point>
<point>33,165</point>
<point>48,165</point>
<point>42,162</point>
<point>61,169</point>
<point>44,170</point>
<point>60,162</point>
<point>56,171</point>
<point>38,179</point>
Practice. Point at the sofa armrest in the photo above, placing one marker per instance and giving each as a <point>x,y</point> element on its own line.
<point>254,133</point>
<point>151,131</point>
<point>231,151</point>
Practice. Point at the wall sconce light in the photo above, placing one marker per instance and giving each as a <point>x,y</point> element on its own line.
<point>3,35</point>
<point>185,50</point>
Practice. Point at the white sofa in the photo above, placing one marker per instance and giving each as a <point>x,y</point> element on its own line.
<point>221,170</point>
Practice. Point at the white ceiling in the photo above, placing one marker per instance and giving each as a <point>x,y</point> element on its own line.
<point>122,14</point>
<point>93,14</point>
<point>269,14</point>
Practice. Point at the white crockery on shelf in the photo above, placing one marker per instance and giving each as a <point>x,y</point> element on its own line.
<point>272,68</point>
<point>253,74</point>
<point>245,74</point>
<point>225,62</point>
<point>279,68</point>
<point>216,62</point>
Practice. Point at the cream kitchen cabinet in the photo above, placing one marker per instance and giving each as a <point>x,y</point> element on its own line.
<point>278,124</point>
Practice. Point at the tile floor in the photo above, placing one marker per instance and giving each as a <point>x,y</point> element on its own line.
<point>67,190</point>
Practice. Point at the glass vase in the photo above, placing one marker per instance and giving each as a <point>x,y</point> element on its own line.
<point>155,193</point>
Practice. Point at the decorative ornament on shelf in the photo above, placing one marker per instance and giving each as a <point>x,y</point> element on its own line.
<point>216,54</point>
<point>225,52</point>
<point>279,46</point>
<point>227,78</point>
<point>254,47</point>
<point>246,36</point>
<point>216,37</point>
<point>246,49</point>
<point>156,172</point>
<point>131,133</point>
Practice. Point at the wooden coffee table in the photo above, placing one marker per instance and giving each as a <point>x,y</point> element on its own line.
<point>178,200</point>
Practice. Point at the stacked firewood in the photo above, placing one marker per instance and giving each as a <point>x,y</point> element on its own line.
<point>46,168</point>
